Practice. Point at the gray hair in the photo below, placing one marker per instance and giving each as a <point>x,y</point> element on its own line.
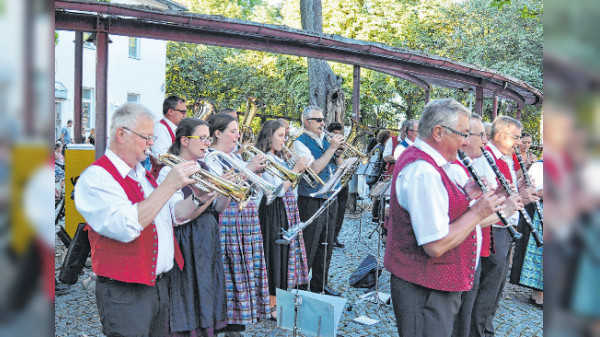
<point>127,115</point>
<point>443,111</point>
<point>476,116</point>
<point>307,112</point>
<point>503,123</point>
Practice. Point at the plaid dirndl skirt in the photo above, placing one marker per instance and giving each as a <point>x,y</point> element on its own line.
<point>297,265</point>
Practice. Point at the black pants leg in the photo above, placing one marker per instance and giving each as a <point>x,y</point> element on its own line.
<point>341,209</point>
<point>462,323</point>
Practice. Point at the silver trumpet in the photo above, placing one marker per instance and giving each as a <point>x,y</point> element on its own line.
<point>226,160</point>
<point>208,182</point>
<point>274,167</point>
<point>309,175</point>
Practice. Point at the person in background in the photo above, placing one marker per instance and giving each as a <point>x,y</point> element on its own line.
<point>174,110</point>
<point>65,135</point>
<point>286,264</point>
<point>528,157</point>
<point>91,139</point>
<point>487,126</point>
<point>378,167</point>
<point>337,129</point>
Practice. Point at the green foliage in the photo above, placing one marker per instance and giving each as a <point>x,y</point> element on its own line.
<point>504,35</point>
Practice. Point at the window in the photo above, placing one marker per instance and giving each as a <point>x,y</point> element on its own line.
<point>86,44</point>
<point>57,119</point>
<point>134,47</point>
<point>133,98</point>
<point>87,108</point>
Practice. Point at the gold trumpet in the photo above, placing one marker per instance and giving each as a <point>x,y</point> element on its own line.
<point>208,182</point>
<point>226,160</point>
<point>246,133</point>
<point>309,175</point>
<point>349,149</point>
<point>274,167</point>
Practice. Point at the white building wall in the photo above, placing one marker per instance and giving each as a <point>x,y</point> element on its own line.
<point>144,76</point>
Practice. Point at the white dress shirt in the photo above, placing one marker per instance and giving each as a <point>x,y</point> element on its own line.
<point>536,172</point>
<point>399,148</point>
<point>418,187</point>
<point>303,151</point>
<point>106,208</point>
<point>276,181</point>
<point>163,140</point>
<point>508,159</point>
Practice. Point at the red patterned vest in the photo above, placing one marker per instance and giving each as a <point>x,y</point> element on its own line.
<point>453,271</point>
<point>135,261</point>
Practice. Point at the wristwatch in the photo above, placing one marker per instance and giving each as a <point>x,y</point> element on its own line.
<point>196,201</point>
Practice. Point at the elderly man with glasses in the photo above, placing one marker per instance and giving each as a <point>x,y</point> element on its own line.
<point>130,227</point>
<point>324,160</point>
<point>431,246</point>
<point>174,110</point>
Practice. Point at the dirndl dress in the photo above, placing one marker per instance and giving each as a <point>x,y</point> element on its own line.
<point>297,262</point>
<point>244,264</point>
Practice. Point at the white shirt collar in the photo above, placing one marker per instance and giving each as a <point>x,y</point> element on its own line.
<point>497,153</point>
<point>437,157</point>
<point>171,124</point>
<point>314,135</point>
<point>408,141</point>
<point>122,167</point>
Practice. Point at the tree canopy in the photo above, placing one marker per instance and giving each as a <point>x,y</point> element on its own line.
<point>502,35</point>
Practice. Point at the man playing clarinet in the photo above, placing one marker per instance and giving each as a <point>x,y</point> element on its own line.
<point>431,247</point>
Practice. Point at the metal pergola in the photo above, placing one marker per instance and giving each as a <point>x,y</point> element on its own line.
<point>423,70</point>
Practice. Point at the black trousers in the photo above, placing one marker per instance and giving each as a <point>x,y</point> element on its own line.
<point>462,324</point>
<point>341,210</point>
<point>133,309</point>
<point>320,231</point>
<point>422,311</point>
<point>494,270</point>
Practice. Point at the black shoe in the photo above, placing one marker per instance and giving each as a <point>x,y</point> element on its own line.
<point>61,289</point>
<point>338,244</point>
<point>328,291</point>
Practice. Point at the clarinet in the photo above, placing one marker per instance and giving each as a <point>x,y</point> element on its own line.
<point>514,235</point>
<point>538,207</point>
<point>536,236</point>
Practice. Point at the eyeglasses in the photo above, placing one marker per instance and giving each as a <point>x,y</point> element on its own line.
<point>202,139</point>
<point>479,134</point>
<point>464,135</point>
<point>514,137</point>
<point>180,110</point>
<point>146,138</point>
<point>318,120</point>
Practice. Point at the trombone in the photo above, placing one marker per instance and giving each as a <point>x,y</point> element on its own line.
<point>226,160</point>
<point>274,167</point>
<point>208,182</point>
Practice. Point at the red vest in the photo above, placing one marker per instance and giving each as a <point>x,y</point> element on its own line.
<point>135,261</point>
<point>453,271</point>
<point>155,166</point>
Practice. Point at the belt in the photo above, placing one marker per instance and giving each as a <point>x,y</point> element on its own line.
<point>108,279</point>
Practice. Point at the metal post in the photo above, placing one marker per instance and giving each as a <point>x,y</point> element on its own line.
<point>101,96</point>
<point>77,127</point>
<point>353,188</point>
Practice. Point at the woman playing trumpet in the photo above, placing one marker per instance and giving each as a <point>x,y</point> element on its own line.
<point>198,299</point>
<point>286,265</point>
<point>241,239</point>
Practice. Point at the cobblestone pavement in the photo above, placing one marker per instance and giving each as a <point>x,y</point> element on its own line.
<point>76,313</point>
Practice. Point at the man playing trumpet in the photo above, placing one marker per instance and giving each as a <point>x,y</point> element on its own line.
<point>324,160</point>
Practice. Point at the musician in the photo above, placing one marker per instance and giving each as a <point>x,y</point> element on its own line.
<point>324,160</point>
<point>377,169</point>
<point>230,111</point>
<point>174,110</point>
<point>342,198</point>
<point>487,126</point>
<point>286,126</point>
<point>460,175</point>
<point>198,297</point>
<point>393,149</point>
<point>506,135</point>
<point>241,238</point>
<point>528,157</point>
<point>431,245</point>
<point>130,225</point>
<point>286,264</point>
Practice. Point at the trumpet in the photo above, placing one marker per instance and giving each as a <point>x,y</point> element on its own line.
<point>274,167</point>
<point>208,182</point>
<point>349,149</point>
<point>226,160</point>
<point>309,175</point>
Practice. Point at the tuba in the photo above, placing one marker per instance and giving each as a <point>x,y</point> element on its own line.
<point>204,108</point>
<point>226,160</point>
<point>208,182</point>
<point>274,167</point>
<point>246,133</point>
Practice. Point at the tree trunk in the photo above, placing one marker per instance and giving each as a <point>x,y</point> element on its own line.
<point>325,88</point>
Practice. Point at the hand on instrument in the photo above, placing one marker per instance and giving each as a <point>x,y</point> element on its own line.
<point>179,176</point>
<point>204,197</point>
<point>512,204</point>
<point>257,164</point>
<point>528,195</point>
<point>487,204</point>
<point>472,189</point>
<point>301,165</point>
<point>336,142</point>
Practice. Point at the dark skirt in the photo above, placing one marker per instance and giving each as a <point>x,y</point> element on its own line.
<point>198,296</point>
<point>527,267</point>
<point>273,218</point>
